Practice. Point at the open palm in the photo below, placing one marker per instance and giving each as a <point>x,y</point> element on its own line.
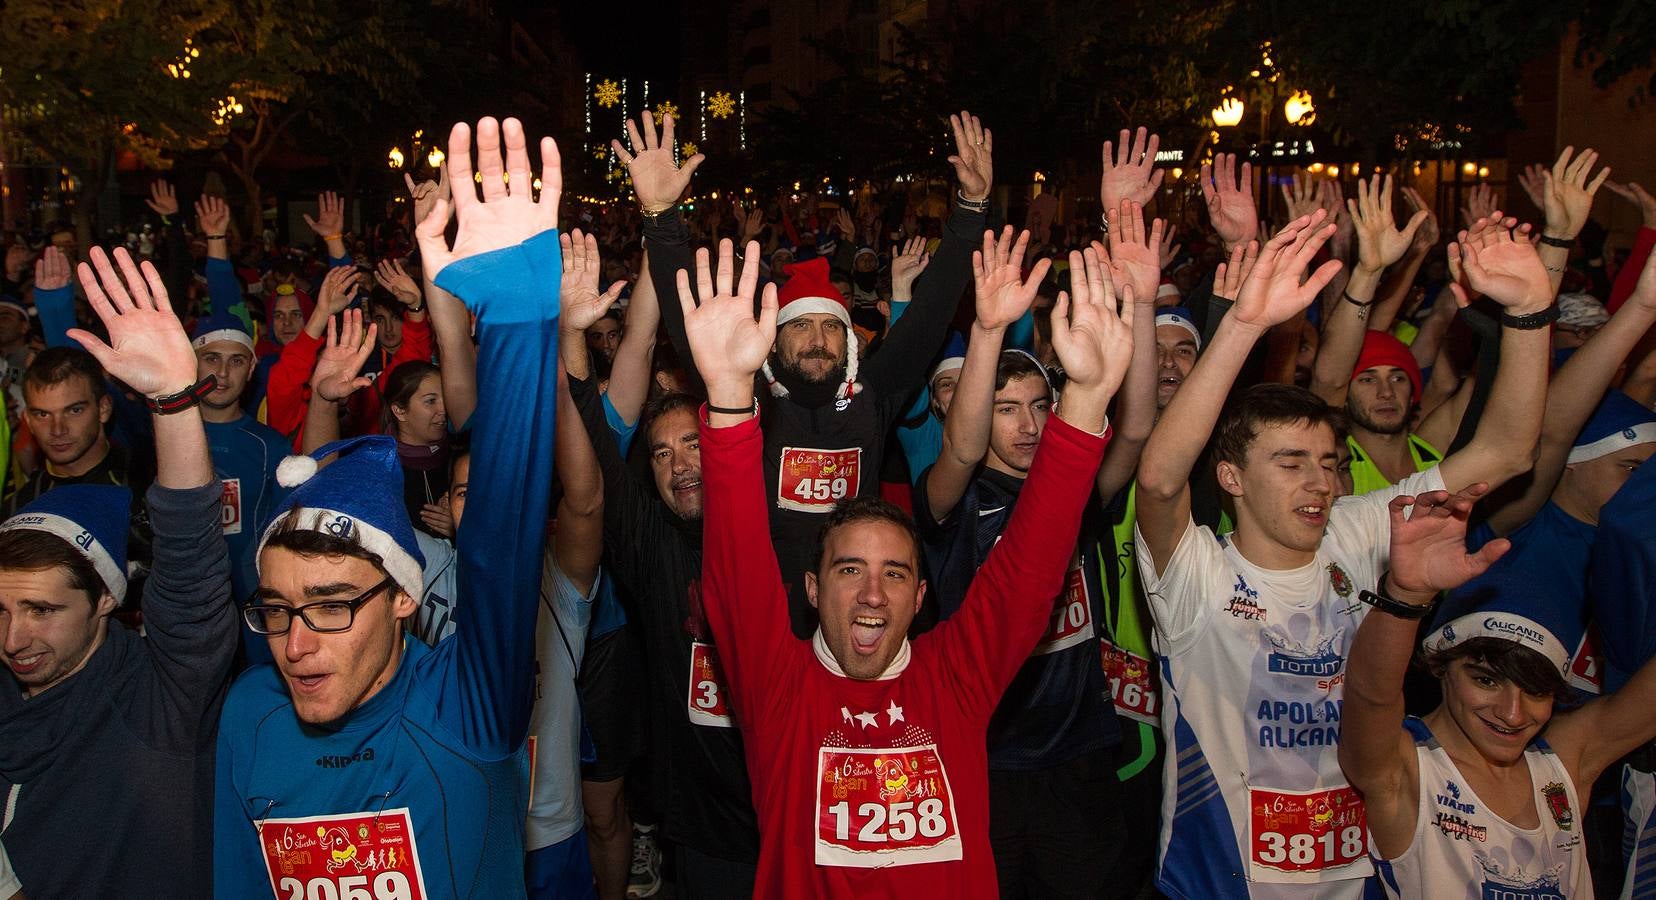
<point>347,349</point>
<point>1003,295</point>
<point>509,213</point>
<point>1272,293</point>
<point>1428,548</point>
<point>727,342</point>
<point>147,347</point>
<point>1094,343</point>
<point>657,178</point>
<point>1508,271</point>
<point>579,300</point>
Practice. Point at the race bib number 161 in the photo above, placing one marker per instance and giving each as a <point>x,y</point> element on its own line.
<point>356,856</point>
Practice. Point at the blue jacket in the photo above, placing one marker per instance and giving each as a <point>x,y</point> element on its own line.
<point>424,777</point>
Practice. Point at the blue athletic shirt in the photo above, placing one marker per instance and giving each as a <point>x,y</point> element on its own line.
<point>422,782</point>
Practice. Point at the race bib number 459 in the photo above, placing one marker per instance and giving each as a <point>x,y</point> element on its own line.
<point>1305,832</point>
<point>815,481</point>
<point>356,856</point>
<point>887,807</point>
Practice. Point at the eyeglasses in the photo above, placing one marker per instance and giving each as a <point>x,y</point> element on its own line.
<point>323,617</point>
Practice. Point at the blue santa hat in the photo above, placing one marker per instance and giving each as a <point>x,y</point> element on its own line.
<point>954,356</point>
<point>1179,316</point>
<point>358,497</point>
<point>221,326</point>
<point>93,519</point>
<point>1526,619</point>
<point>1618,423</point>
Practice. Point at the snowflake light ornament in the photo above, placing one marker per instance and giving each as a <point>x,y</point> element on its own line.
<point>721,105</point>
<point>608,93</point>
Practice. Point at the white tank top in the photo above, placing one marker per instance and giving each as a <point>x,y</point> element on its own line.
<point>1462,849</point>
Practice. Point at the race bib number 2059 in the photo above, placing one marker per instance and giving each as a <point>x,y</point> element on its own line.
<point>355,856</point>
<point>884,807</point>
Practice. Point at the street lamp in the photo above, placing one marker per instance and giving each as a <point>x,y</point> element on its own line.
<point>1299,110</point>
<point>435,157</point>
<point>1228,113</point>
<point>394,159</point>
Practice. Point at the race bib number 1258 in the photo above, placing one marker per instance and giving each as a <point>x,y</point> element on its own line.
<point>356,856</point>
<point>885,807</point>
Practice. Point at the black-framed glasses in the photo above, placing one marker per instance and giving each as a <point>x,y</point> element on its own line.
<point>323,616</point>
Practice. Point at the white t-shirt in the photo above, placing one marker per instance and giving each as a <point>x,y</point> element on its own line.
<point>9,884</point>
<point>1462,849</point>
<point>1253,672</point>
<point>555,725</point>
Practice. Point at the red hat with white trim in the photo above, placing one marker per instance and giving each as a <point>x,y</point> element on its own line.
<point>808,290</point>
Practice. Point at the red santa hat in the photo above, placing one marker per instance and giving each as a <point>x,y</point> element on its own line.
<point>808,290</point>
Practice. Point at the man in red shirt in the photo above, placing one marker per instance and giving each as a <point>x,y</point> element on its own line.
<point>867,751</point>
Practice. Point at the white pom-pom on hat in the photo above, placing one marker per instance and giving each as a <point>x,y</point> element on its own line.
<point>295,470</point>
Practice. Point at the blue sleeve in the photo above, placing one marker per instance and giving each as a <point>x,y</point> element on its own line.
<point>618,426</point>
<point>1022,333</point>
<point>484,685</point>
<point>898,307</point>
<point>921,443</point>
<point>1622,578</point>
<point>238,860</point>
<point>57,315</point>
<point>225,290</point>
<point>335,262</point>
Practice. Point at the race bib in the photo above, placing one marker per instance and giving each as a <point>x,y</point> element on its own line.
<point>887,807</point>
<point>1587,666</point>
<point>1072,621</point>
<point>1305,831</point>
<point>230,515</point>
<point>708,701</point>
<point>1134,684</point>
<point>356,856</point>
<point>815,481</point>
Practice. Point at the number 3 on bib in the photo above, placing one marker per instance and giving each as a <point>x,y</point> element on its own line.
<point>1306,833</point>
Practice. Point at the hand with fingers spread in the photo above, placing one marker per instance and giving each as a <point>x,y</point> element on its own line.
<point>1427,237</point>
<point>973,159</point>
<point>338,287</point>
<point>426,193</point>
<point>1229,195</point>
<point>1379,242</point>
<point>329,223</point>
<point>842,222</point>
<point>345,352</point>
<point>657,180</point>
<point>579,301</point>
<point>147,347</point>
<point>748,223</point>
<point>1230,275</point>
<point>436,517</point>
<point>1428,546</point>
<point>1168,249</point>
<point>1504,266</point>
<point>1130,171</point>
<point>1273,292</point>
<point>1094,341</point>
<point>51,270</point>
<point>509,212</point>
<point>391,276</point>
<point>1003,294</point>
<point>163,199</point>
<point>213,216</point>
<point>1567,192</point>
<point>726,341</point>
<point>1533,179</point>
<point>1480,202</point>
<point>1638,196</point>
<point>1481,231</point>
<point>1301,195</point>
<point>1134,256</point>
<point>906,268</point>
<point>1331,197</point>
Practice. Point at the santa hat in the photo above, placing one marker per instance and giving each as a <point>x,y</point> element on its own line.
<point>1167,294</point>
<point>358,497</point>
<point>92,518</point>
<point>1382,349</point>
<point>221,326</point>
<point>809,290</point>
<point>15,306</point>
<point>1618,423</point>
<point>954,357</point>
<point>1179,317</point>
<point>1580,310</point>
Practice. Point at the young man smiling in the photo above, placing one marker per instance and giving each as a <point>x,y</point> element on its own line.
<point>864,747</point>
<point>1253,629</point>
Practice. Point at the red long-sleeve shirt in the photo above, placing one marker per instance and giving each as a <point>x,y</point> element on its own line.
<point>878,788</point>
<point>289,390</point>
<point>1628,277</point>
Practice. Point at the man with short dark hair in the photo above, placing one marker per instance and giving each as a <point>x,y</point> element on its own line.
<point>99,721</point>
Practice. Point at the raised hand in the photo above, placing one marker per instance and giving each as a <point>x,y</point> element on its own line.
<point>1379,242</point>
<point>1480,232</point>
<point>579,301</point>
<point>1428,547</point>
<point>1638,196</point>
<point>1568,194</point>
<point>51,270</point>
<point>1230,275</point>
<point>1168,250</point>
<point>1331,197</point>
<point>847,228</point>
<point>343,355</point>
<point>1427,237</point>
<point>436,517</point>
<point>973,159</point>
<point>1134,256</point>
<point>1230,199</point>
<point>1301,195</point>
<point>329,223</point>
<point>726,341</point>
<point>1480,204</point>
<point>1273,292</point>
<point>1505,267</point>
<point>396,280</point>
<point>426,193</point>
<point>658,181</point>
<point>748,222</point>
<point>1533,179</point>
<point>907,266</point>
<point>1094,343</point>
<point>1003,295</point>
<point>147,347</point>
<point>163,199</point>
<point>1130,171</point>
<point>509,213</point>
<point>212,215</point>
<point>338,287</point>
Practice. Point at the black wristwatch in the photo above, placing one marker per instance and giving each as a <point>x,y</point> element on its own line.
<point>1532,321</point>
<point>1394,607</point>
<point>190,396</point>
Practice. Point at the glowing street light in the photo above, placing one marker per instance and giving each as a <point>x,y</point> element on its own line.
<point>1228,112</point>
<point>1299,110</point>
<point>394,159</point>
<point>435,157</point>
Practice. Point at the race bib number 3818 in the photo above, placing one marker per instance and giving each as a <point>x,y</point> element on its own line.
<point>1305,832</point>
<point>815,481</point>
<point>356,856</point>
<point>886,807</point>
